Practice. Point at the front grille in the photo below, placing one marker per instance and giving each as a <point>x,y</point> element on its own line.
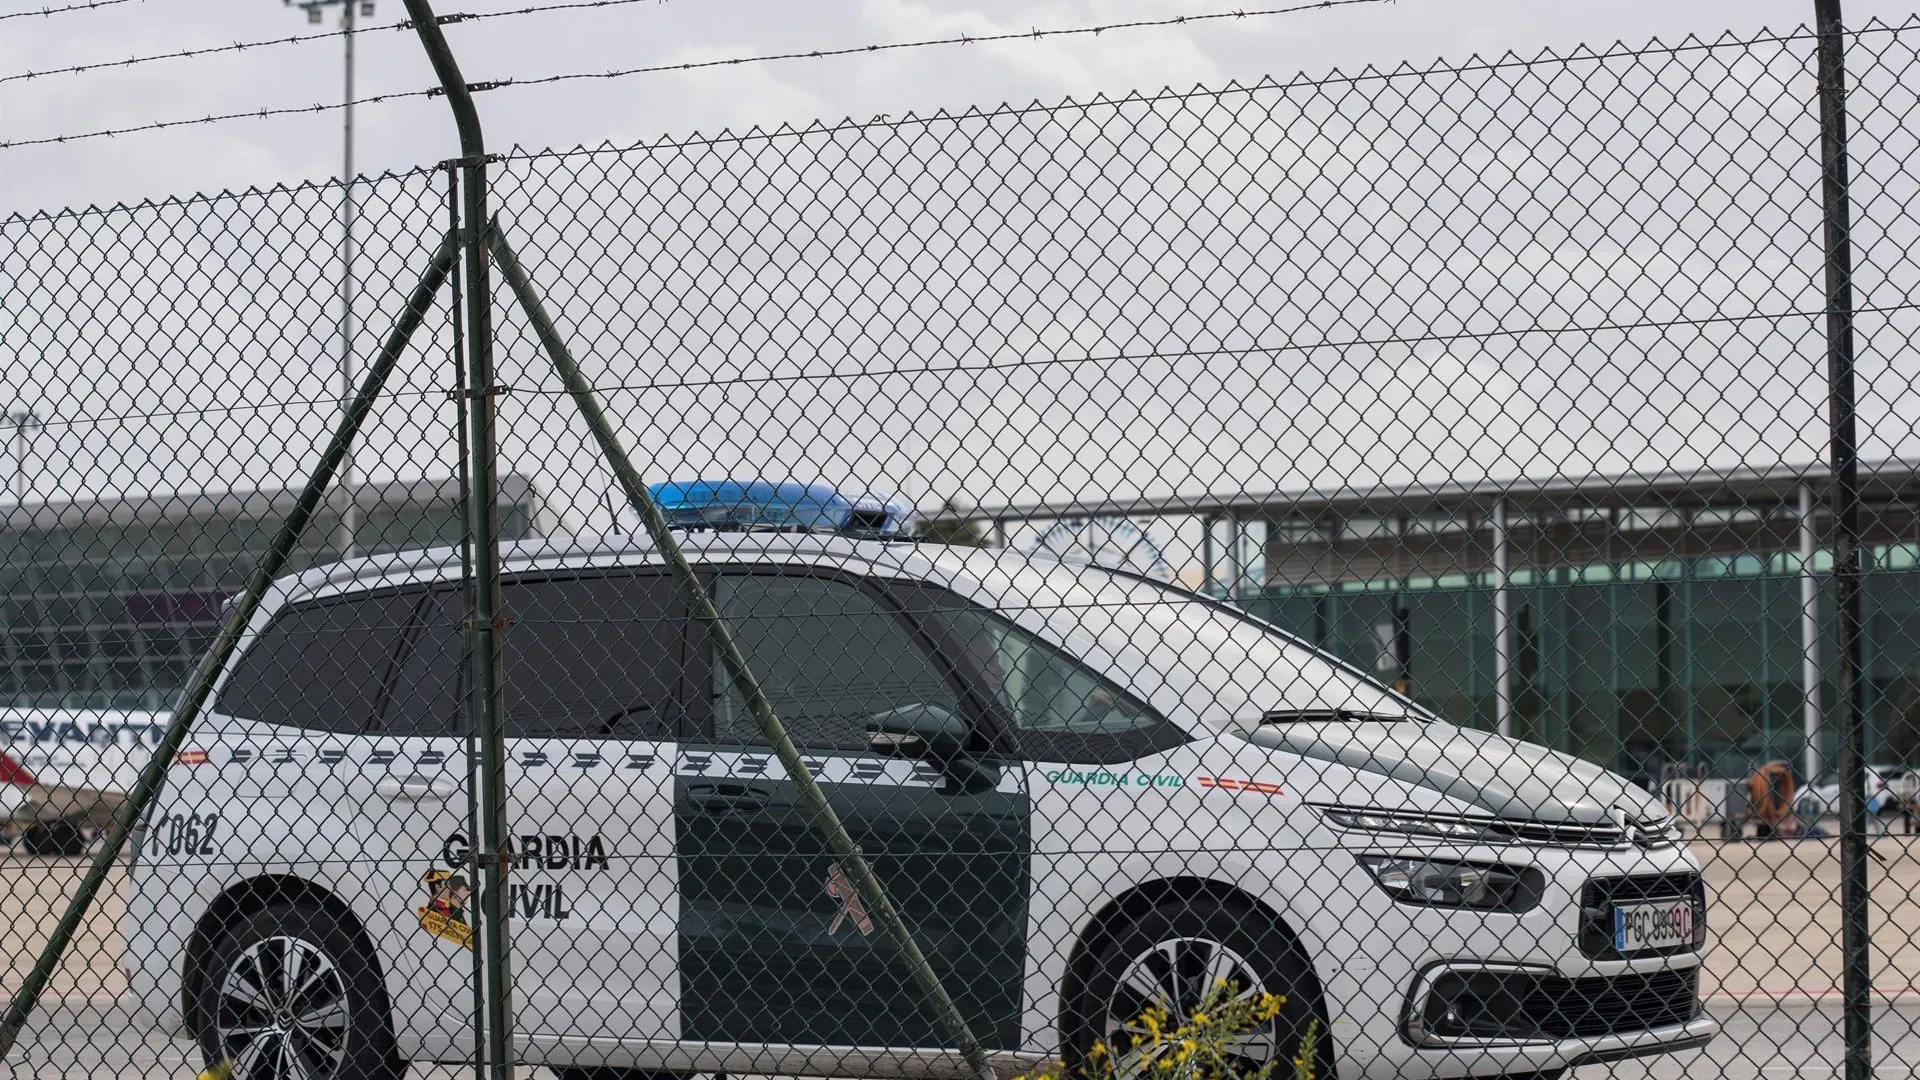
<point>1598,897</point>
<point>1557,835</point>
<point>1486,829</point>
<point>1477,1006</point>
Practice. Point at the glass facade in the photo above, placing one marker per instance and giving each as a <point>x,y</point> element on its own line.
<point>110,605</point>
<point>1651,666</point>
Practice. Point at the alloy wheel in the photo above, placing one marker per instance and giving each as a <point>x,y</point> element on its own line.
<point>281,1012</point>
<point>1175,976</point>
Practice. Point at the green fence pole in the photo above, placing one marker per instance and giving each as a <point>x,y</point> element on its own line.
<point>147,786</point>
<point>1844,454</point>
<point>844,849</point>
<point>485,627</point>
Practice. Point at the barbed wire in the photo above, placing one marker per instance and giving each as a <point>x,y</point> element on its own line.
<point>857,50</point>
<point>89,5</point>
<point>258,114</point>
<point>302,39</point>
<point>963,39</point>
<point>184,54</point>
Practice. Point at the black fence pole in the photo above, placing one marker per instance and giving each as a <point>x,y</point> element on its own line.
<point>486,625</point>
<point>1857,981</point>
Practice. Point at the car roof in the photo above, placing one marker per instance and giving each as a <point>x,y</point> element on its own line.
<point>585,551</point>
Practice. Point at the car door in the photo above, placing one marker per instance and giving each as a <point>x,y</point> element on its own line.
<point>775,946</point>
<point>594,679</point>
<point>592,670</point>
<point>413,826</point>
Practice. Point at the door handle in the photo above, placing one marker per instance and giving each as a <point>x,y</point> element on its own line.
<point>414,787</point>
<point>728,798</point>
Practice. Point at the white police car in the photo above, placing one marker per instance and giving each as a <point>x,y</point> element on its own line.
<point>1125,793</point>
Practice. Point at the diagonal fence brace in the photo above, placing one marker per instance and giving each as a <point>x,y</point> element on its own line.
<point>200,687</point>
<point>845,851</point>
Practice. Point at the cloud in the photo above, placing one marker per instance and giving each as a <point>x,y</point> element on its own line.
<point>104,171</point>
<point>1045,67</point>
<point>1368,280</point>
<point>729,98</point>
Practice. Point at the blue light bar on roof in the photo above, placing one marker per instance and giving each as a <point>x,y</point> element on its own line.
<point>769,504</point>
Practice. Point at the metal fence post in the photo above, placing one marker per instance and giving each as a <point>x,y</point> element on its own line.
<point>845,851</point>
<point>488,620</point>
<point>1857,980</point>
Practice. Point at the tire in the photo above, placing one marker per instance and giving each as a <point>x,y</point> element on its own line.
<point>1214,940</point>
<point>337,1017</point>
<point>62,838</point>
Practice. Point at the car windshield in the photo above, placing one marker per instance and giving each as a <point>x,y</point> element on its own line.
<point>1280,676</point>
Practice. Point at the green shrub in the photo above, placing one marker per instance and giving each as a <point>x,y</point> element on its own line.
<point>1199,1047</point>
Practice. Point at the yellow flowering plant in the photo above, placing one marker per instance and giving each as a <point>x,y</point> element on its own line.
<point>1208,1044</point>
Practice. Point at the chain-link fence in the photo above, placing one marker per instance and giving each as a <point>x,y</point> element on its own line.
<point>1361,576</point>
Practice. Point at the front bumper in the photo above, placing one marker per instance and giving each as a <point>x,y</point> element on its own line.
<point>1517,1017</point>
<point>1451,993</point>
<point>1525,1058</point>
<point>1477,1005</point>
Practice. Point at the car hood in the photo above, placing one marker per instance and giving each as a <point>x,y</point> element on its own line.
<point>1503,777</point>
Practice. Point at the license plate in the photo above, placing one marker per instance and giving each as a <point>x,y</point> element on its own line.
<point>1665,925</point>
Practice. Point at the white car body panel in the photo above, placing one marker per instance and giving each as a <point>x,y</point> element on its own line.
<point>1211,674</point>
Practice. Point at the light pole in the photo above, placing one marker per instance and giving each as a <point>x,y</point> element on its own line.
<point>348,8</point>
<point>22,421</point>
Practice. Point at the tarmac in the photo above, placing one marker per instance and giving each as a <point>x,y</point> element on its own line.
<point>1772,973</point>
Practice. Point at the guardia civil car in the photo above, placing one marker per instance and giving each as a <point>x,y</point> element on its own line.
<point>1089,794</point>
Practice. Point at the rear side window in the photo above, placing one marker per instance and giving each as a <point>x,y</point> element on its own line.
<point>430,685</point>
<point>323,665</point>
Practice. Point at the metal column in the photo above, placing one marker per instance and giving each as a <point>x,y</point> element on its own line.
<point>1232,589</point>
<point>1616,610</point>
<point>1689,695</point>
<point>1502,619</point>
<point>1206,556</point>
<point>1809,637</point>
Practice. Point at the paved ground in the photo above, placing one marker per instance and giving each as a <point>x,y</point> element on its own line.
<point>1763,1040</point>
<point>1772,975</point>
<point>1775,915</point>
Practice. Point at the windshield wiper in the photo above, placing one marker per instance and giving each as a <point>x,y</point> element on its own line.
<point>1329,716</point>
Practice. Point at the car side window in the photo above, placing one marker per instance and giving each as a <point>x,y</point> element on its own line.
<point>829,655</point>
<point>1057,708</point>
<point>430,687</point>
<point>594,656</point>
<point>322,665</point>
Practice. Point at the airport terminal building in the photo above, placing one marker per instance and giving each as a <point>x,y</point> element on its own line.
<point>1654,623</point>
<point>108,604</point>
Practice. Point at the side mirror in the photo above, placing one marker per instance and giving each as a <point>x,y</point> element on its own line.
<point>918,731</point>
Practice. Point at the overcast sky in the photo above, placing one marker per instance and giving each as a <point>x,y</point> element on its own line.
<point>1290,218</point>
<point>257,152</point>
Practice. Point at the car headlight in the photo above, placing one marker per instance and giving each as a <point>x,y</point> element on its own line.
<point>1445,883</point>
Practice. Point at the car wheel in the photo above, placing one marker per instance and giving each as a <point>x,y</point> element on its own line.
<point>62,838</point>
<point>1172,956</point>
<point>289,993</point>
